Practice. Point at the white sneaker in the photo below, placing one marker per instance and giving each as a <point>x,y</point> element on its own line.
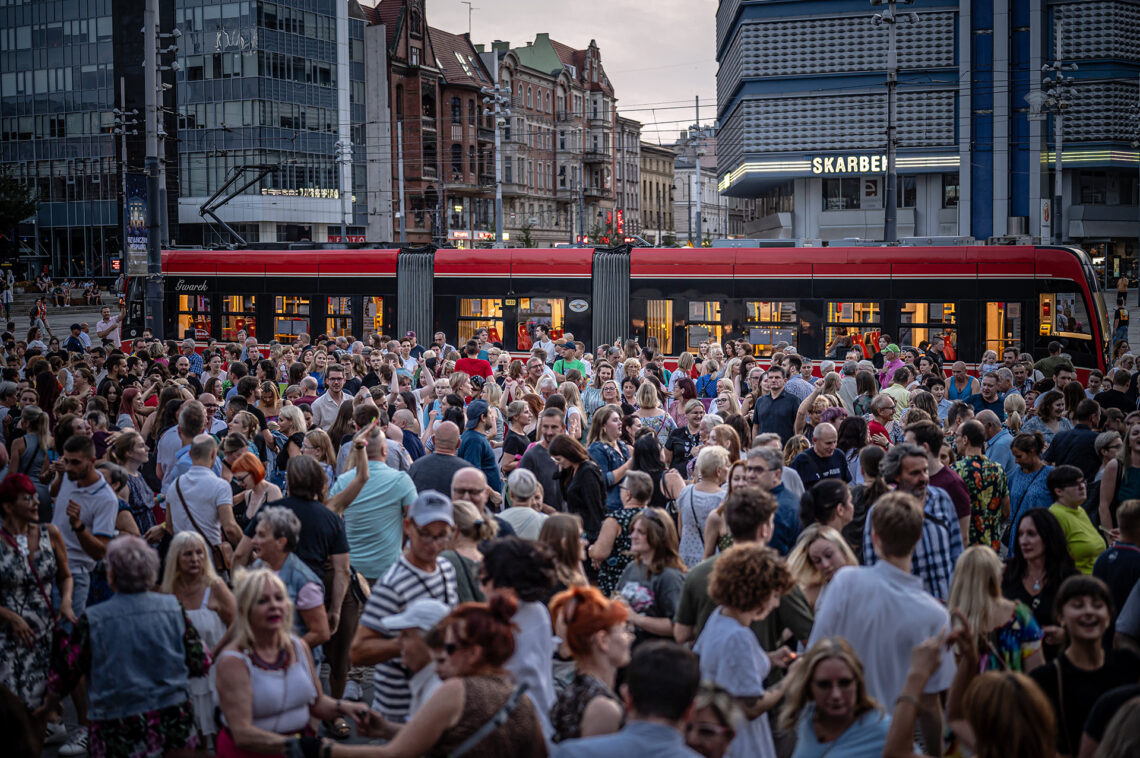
<point>352,691</point>
<point>77,745</point>
<point>55,733</point>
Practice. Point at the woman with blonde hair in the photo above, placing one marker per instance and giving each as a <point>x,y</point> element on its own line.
<point>30,453</point>
<point>575,413</point>
<point>820,551</point>
<point>828,706</point>
<point>726,403</point>
<point>1007,635</point>
<point>1014,406</point>
<point>472,527</point>
<point>291,423</point>
<point>562,532</point>
<point>269,400</point>
<point>651,414</point>
<point>265,679</point>
<point>318,444</point>
<point>794,446</point>
<point>727,437</point>
<point>209,606</point>
<point>606,448</point>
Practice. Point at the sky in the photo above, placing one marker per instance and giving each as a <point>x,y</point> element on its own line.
<point>659,55</point>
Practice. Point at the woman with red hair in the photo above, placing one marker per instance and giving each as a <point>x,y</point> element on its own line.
<point>594,629</point>
<point>256,490</point>
<point>477,640</point>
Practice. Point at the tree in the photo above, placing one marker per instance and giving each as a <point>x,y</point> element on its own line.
<point>525,240</point>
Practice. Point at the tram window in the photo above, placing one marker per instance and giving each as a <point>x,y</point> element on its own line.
<point>659,324</point>
<point>703,323</point>
<point>373,315</point>
<point>339,321</point>
<point>290,317</point>
<point>1003,326</point>
<point>238,313</point>
<point>769,323</point>
<point>479,313</point>
<point>859,321</point>
<point>194,316</point>
<point>922,322</point>
<point>1063,314</point>
<point>540,310</point>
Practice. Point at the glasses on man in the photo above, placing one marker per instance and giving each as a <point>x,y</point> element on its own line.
<point>428,537</point>
<point>756,470</point>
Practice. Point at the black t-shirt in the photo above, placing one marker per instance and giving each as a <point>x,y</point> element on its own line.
<point>515,443</point>
<point>1081,689</point>
<point>352,386</point>
<point>322,532</point>
<point>1119,568</point>
<point>1106,707</point>
<point>283,454</point>
<point>371,380</point>
<point>812,468</point>
<point>681,442</point>
<point>435,472</point>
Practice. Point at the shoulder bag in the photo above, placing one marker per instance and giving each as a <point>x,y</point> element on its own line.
<point>222,553</point>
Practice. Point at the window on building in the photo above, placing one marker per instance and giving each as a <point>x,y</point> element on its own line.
<point>767,323</point>
<point>414,56</point>
<point>529,98</point>
<point>950,192</point>
<point>290,318</point>
<point>373,315</point>
<point>550,312</point>
<point>841,194</point>
<point>703,323</point>
<point>193,316</point>
<point>907,191</point>
<point>471,160</point>
<point>239,312</point>
<point>480,313</point>
<point>456,111</point>
<point>1003,326</point>
<point>471,112</point>
<point>922,322</point>
<point>339,320</point>
<point>659,324</point>
<point>860,321</point>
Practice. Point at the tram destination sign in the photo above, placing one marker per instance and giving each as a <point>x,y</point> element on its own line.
<point>849,164</point>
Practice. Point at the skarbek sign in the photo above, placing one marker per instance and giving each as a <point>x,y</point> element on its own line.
<point>849,164</point>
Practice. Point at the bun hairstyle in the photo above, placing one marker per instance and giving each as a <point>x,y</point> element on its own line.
<point>581,612</point>
<point>487,625</point>
<point>818,504</point>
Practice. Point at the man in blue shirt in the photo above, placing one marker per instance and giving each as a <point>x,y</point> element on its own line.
<point>474,446</point>
<point>998,440</point>
<point>764,467</point>
<point>776,411</point>
<point>1077,446</point>
<point>661,682</point>
<point>988,399</point>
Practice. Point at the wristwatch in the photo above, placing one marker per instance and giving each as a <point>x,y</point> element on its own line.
<point>79,529</point>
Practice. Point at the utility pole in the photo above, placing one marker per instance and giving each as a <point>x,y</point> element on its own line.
<point>697,153</point>
<point>581,200</point>
<point>154,318</point>
<point>891,201</point>
<point>1057,90</point>
<point>400,174</point>
<point>469,9</point>
<point>496,102</point>
<point>344,169</point>
<point>124,119</point>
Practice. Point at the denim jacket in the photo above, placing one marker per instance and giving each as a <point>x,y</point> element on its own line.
<point>138,655</point>
<point>609,459</point>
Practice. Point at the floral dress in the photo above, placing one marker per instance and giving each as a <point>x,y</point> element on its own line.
<point>611,567</point>
<point>566,715</point>
<point>150,734</point>
<point>24,670</point>
<point>661,425</point>
<point>985,481</point>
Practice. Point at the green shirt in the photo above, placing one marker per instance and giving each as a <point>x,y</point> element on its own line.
<point>561,366</point>
<point>1085,542</point>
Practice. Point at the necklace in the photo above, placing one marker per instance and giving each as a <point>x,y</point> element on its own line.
<point>1036,580</point>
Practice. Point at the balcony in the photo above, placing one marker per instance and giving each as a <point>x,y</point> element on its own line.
<point>596,155</point>
<point>593,191</point>
<point>513,189</point>
<point>486,135</point>
<point>428,123</point>
<point>566,117</point>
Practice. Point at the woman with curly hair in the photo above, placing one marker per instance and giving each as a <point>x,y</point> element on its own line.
<point>651,581</point>
<point>746,584</point>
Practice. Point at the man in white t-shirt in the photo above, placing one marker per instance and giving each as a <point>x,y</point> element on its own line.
<point>110,327</point>
<point>884,612</point>
<point>327,406</point>
<point>204,495</point>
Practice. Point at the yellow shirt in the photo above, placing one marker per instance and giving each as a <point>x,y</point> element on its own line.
<point>1085,542</point>
<point>901,397</point>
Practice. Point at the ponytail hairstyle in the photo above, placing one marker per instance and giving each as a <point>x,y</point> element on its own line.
<point>818,503</point>
<point>487,625</point>
<point>472,524</point>
<point>1014,406</point>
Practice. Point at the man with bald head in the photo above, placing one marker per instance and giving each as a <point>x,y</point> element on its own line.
<point>374,521</point>
<point>405,421</point>
<point>435,471</point>
<point>822,460</point>
<point>470,484</point>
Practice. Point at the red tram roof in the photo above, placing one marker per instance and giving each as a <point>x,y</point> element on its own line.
<point>279,263</point>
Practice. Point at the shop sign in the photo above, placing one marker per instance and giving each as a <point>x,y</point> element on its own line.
<point>198,286</point>
<point>849,164</point>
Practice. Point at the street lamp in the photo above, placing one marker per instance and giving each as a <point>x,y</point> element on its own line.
<point>890,18</point>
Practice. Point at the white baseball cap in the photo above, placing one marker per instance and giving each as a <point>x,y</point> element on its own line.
<point>422,613</point>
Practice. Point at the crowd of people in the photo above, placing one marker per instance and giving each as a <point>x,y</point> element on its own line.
<point>333,548</point>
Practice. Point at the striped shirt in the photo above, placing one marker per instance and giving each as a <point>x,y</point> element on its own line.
<point>401,584</point>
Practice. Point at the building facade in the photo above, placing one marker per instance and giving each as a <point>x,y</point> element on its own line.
<point>627,218</point>
<point>657,191</point>
<point>974,150</point>
<point>64,69</point>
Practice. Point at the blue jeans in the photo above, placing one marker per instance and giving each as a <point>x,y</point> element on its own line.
<point>81,584</point>
<point>1120,335</point>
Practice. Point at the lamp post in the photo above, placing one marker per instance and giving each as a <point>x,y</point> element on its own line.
<point>890,17</point>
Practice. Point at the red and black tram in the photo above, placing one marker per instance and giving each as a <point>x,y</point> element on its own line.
<point>977,297</point>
